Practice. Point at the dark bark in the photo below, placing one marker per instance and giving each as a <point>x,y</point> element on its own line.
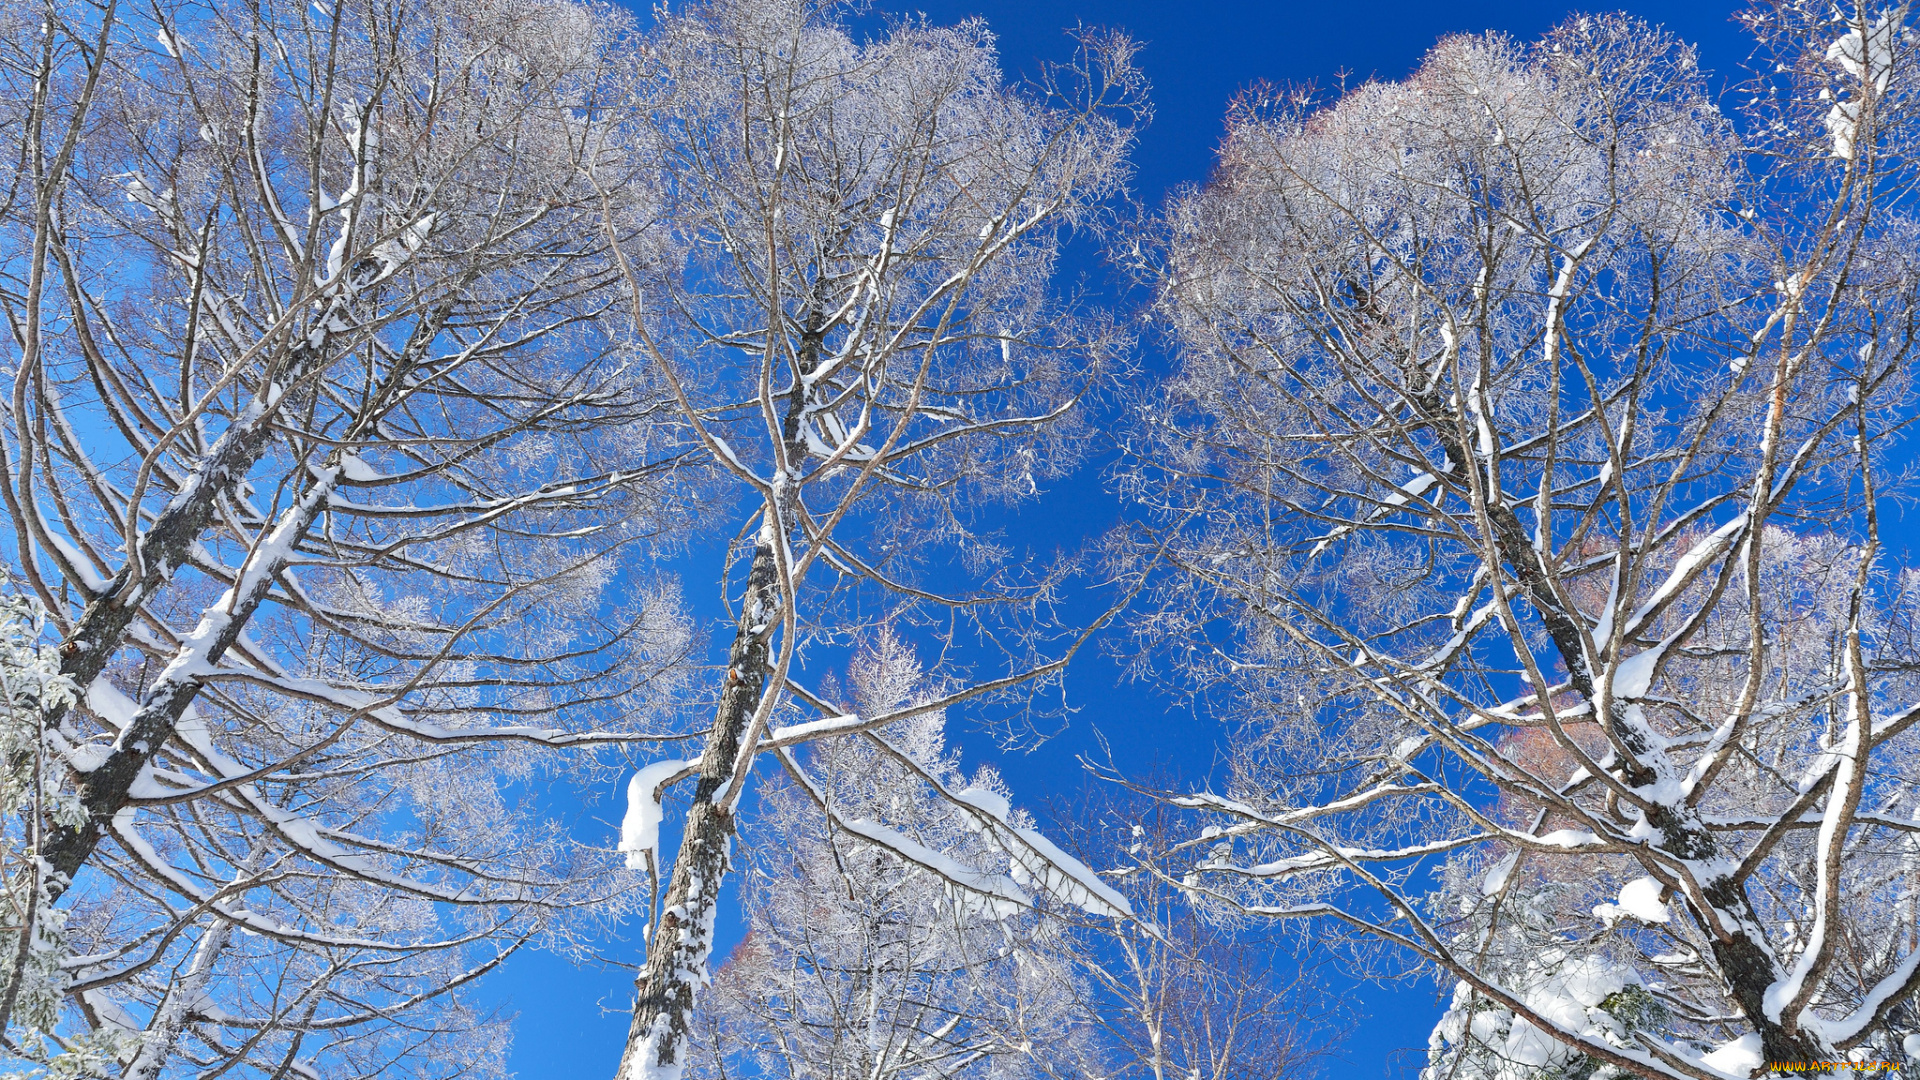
<point>165,546</point>
<point>677,949</point>
<point>1515,548</point>
<point>107,789</point>
<point>1749,969</point>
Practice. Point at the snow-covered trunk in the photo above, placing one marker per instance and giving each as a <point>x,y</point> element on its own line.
<point>105,790</point>
<point>678,947</point>
<point>1750,969</point>
<point>1510,539</point>
<point>166,544</point>
<point>1738,945</point>
<point>1156,1042</point>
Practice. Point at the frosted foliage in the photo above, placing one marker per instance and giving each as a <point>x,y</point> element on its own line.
<point>902,208</point>
<point>1588,995</point>
<point>1529,452</point>
<point>32,782</point>
<point>1594,992</point>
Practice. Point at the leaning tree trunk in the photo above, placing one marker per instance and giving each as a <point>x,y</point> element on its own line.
<point>1747,963</point>
<point>167,544</point>
<point>107,789</point>
<point>679,946</point>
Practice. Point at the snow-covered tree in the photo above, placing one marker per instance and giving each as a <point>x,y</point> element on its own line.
<point>848,291</point>
<point>1523,480</point>
<point>1181,992</point>
<point>859,962</point>
<point>320,461</point>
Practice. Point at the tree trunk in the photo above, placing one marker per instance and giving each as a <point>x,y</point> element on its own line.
<point>105,790</point>
<point>1748,964</point>
<point>165,546</point>
<point>678,948</point>
<point>1750,968</point>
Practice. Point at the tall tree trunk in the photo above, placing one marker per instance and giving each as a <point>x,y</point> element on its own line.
<point>106,789</point>
<point>679,947</point>
<point>1747,962</point>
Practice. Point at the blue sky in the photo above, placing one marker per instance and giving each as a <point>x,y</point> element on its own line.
<point>1199,54</point>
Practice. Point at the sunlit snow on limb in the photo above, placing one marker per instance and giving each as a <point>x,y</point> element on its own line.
<point>1640,899</point>
<point>1739,1057</point>
<point>640,828</point>
<point>1869,59</point>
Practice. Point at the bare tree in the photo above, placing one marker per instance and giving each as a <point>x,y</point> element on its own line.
<point>850,299</point>
<point>320,462</point>
<point>1182,991</point>
<point>1524,475</point>
<point>860,963</point>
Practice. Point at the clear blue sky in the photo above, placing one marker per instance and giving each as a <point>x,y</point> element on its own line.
<point>1199,54</point>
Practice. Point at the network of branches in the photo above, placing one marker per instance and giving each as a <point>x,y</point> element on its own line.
<point>429,418</point>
